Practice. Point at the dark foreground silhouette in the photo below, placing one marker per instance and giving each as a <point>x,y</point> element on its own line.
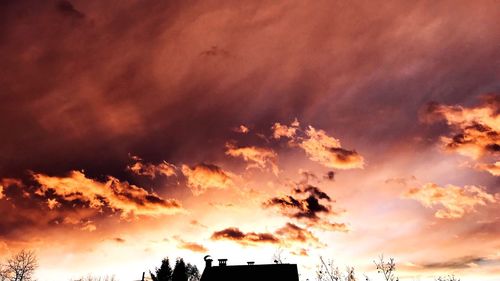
<point>250,271</point>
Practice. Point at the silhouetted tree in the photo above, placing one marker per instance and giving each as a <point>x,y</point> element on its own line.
<point>4,273</point>
<point>278,256</point>
<point>179,271</point>
<point>192,272</point>
<point>328,271</point>
<point>447,278</point>
<point>19,267</point>
<point>164,273</point>
<point>350,274</point>
<point>96,278</point>
<point>386,268</point>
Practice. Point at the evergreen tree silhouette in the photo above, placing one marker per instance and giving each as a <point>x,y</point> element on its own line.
<point>192,272</point>
<point>164,273</point>
<point>180,271</point>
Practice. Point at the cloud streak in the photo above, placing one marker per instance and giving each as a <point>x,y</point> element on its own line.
<point>248,238</point>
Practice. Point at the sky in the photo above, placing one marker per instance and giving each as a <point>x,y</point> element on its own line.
<point>136,130</point>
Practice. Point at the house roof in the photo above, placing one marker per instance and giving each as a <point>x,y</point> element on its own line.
<point>260,272</point>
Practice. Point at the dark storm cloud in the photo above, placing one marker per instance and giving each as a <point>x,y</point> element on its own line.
<point>130,78</point>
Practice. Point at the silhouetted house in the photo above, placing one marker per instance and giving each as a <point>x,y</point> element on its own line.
<point>249,272</point>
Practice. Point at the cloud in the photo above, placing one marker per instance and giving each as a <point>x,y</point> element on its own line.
<point>202,177</point>
<point>31,213</point>
<point>215,51</point>
<point>475,131</point>
<point>191,246</point>
<point>197,223</point>
<point>249,238</point>
<point>258,157</point>
<point>308,204</point>
<point>403,181</point>
<point>493,168</point>
<point>300,252</point>
<point>151,170</point>
<point>67,8</point>
<point>451,201</point>
<point>52,203</point>
<point>293,233</point>
<point>119,240</point>
<point>280,130</point>
<point>88,226</point>
<point>319,146</point>
<point>127,199</point>
<point>327,151</point>
<point>242,129</point>
<point>330,175</point>
<point>301,208</point>
<point>461,262</point>
<point>290,235</point>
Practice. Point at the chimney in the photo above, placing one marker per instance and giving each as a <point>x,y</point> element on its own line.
<point>222,262</point>
<point>208,261</point>
<point>250,262</point>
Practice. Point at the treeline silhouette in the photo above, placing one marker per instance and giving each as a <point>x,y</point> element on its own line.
<point>181,271</point>
<point>22,266</point>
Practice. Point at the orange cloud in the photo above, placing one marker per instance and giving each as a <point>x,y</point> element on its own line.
<point>242,129</point>
<point>288,236</point>
<point>258,157</point>
<point>293,233</point>
<point>129,200</point>
<point>191,246</point>
<point>250,238</point>
<point>452,201</point>
<point>475,130</point>
<point>52,203</point>
<point>280,130</point>
<point>203,176</point>
<point>327,151</point>
<point>151,170</point>
<point>319,146</point>
<point>493,168</point>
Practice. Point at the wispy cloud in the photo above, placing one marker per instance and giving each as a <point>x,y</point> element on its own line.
<point>257,157</point>
<point>151,170</point>
<point>451,201</point>
<point>203,177</point>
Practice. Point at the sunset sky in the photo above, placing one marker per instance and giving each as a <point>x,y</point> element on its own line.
<point>135,130</point>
